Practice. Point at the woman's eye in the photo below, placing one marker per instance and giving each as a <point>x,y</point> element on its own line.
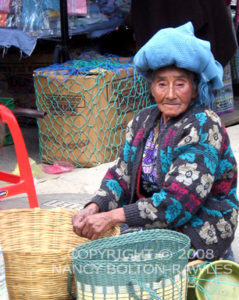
<point>180,84</point>
<point>162,84</point>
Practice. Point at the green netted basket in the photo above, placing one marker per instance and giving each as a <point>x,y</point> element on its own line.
<point>150,264</point>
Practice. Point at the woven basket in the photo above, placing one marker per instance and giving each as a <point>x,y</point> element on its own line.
<point>37,247</point>
<point>150,264</point>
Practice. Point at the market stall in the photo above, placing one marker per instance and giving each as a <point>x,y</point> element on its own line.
<point>23,22</point>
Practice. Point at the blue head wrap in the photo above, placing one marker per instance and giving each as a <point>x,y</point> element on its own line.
<point>180,47</point>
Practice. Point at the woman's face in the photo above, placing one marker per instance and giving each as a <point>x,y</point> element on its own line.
<point>173,89</point>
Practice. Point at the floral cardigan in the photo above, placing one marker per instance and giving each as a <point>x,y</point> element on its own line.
<point>197,179</point>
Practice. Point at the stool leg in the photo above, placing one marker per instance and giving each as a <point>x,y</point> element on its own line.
<point>7,116</point>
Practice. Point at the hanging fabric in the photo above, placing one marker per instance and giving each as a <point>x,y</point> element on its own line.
<point>235,59</point>
<point>150,16</point>
<point>3,19</point>
<point>76,7</point>
<point>4,6</point>
<point>236,21</point>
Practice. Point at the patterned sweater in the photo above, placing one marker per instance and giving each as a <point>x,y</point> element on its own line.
<point>197,179</point>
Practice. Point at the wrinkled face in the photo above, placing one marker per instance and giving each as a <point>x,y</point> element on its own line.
<point>173,89</point>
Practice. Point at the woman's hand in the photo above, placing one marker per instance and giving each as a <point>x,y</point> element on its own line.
<point>95,225</point>
<point>78,217</point>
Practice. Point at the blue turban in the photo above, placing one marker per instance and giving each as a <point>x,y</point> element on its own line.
<point>180,47</point>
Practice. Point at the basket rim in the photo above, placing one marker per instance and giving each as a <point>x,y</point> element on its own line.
<point>131,237</point>
<point>93,252</point>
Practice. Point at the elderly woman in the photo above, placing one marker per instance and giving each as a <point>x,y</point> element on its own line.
<point>176,170</point>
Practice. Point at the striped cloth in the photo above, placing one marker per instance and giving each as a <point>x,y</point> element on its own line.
<point>224,102</point>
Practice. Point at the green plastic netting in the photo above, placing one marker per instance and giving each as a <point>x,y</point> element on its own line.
<point>88,102</point>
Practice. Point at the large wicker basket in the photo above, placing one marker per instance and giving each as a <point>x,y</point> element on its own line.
<point>37,247</point>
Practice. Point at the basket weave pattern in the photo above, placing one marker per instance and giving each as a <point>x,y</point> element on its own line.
<point>37,246</point>
<point>148,264</point>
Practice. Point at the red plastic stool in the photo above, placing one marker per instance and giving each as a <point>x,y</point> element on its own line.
<point>22,183</point>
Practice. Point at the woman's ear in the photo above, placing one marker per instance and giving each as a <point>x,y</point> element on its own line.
<point>151,88</point>
<point>195,81</point>
<point>195,90</point>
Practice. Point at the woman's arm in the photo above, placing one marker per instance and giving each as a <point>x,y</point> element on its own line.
<point>103,211</point>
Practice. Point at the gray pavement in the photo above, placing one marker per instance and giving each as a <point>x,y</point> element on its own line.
<point>47,201</point>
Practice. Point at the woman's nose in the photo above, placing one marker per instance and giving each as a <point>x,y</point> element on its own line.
<point>171,92</point>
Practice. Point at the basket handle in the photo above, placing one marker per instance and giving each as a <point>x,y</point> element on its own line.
<point>144,287</point>
<point>151,292</point>
<point>69,277</point>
